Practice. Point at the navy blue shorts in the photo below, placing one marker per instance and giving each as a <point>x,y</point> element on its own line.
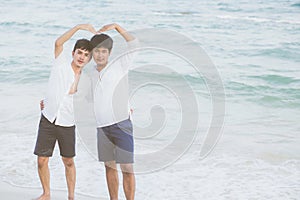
<point>115,142</point>
<point>49,133</point>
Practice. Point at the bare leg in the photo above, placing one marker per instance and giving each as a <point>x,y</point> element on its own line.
<point>70,172</point>
<point>112,179</point>
<point>44,175</point>
<point>128,181</point>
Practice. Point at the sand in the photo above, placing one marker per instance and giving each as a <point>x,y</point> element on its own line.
<point>10,192</point>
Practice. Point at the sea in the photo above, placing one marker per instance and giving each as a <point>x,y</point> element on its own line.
<point>214,89</point>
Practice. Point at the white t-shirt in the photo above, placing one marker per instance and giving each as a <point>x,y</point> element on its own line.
<point>110,89</point>
<point>58,103</point>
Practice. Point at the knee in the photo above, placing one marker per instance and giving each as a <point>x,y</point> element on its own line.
<point>110,165</point>
<point>68,162</point>
<point>42,161</point>
<point>127,168</point>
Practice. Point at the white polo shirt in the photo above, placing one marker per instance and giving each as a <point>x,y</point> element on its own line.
<point>110,88</point>
<point>58,103</point>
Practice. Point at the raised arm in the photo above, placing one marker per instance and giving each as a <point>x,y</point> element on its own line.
<point>126,35</point>
<point>67,35</point>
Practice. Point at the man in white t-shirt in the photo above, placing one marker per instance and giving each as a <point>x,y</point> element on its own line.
<point>57,118</point>
<point>114,128</point>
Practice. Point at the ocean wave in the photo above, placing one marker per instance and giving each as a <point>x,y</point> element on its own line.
<point>15,23</point>
<point>276,79</point>
<point>284,52</point>
<point>24,76</point>
<point>259,19</point>
<point>271,90</point>
<point>271,93</point>
<point>177,13</point>
<point>50,25</point>
<point>229,7</point>
<point>22,70</point>
<point>296,5</point>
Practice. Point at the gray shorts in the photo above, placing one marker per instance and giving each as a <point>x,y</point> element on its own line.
<point>49,133</point>
<point>115,142</point>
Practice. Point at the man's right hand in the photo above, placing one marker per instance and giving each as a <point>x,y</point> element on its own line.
<point>87,27</point>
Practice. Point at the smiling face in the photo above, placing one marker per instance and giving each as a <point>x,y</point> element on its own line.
<point>81,57</point>
<point>101,55</point>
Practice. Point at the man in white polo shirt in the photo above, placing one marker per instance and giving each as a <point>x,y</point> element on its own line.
<point>114,127</point>
<point>57,119</point>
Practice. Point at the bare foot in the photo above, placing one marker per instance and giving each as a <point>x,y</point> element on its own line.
<point>43,197</point>
<point>70,198</point>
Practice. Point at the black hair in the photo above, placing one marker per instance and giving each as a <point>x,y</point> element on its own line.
<point>83,44</point>
<point>102,40</point>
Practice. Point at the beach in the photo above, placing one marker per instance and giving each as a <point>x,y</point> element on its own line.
<point>214,91</point>
<point>10,192</point>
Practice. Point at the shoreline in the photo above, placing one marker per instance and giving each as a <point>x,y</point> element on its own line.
<point>10,192</point>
